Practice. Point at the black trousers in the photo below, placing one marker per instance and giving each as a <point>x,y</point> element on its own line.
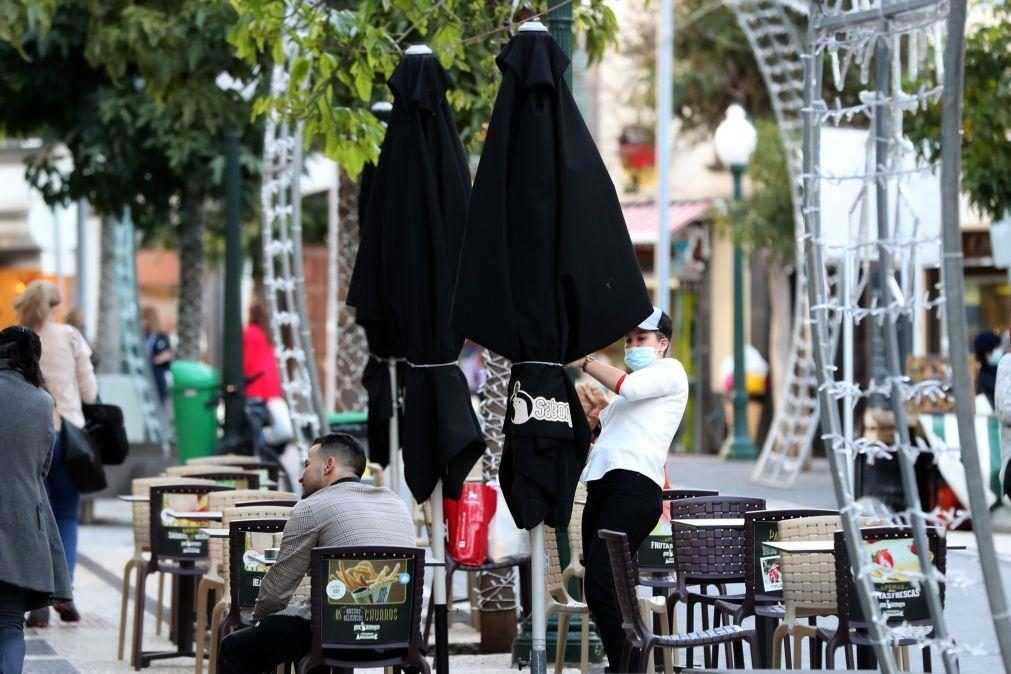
<point>265,645</point>
<point>623,501</point>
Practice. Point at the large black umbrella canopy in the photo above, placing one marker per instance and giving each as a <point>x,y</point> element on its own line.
<point>547,272</point>
<point>405,270</point>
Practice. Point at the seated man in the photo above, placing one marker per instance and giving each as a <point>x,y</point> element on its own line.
<point>335,510</point>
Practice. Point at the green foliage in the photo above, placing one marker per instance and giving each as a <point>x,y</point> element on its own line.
<point>986,120</point>
<point>129,89</point>
<point>347,50</point>
<point>713,66</point>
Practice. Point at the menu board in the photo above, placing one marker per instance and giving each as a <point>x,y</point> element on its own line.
<point>768,573</point>
<point>658,548</point>
<point>368,601</point>
<point>895,570</point>
<point>254,565</point>
<point>178,536</point>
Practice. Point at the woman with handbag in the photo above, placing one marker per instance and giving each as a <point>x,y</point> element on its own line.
<point>70,379</point>
<point>33,569</point>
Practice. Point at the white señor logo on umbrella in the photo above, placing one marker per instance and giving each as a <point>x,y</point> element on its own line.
<point>526,408</point>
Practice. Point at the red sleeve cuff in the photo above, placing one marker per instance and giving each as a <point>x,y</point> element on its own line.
<point>621,380</point>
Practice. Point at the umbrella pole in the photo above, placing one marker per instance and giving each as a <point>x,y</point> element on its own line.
<point>394,431</point>
<point>538,655</point>
<point>439,582</point>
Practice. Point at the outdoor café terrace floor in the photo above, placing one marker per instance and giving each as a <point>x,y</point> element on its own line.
<point>90,646</point>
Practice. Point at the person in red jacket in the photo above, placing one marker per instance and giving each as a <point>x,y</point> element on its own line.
<point>259,364</point>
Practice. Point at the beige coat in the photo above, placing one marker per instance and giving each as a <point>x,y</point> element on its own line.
<point>66,367</point>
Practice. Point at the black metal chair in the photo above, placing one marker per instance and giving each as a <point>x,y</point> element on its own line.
<point>269,472</point>
<point>239,479</point>
<point>708,556</point>
<point>761,526</point>
<point>284,502</point>
<point>853,626</point>
<point>358,618</point>
<point>176,551</point>
<point>640,639</point>
<point>243,584</point>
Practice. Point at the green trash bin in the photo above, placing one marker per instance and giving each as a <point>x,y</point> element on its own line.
<point>194,385</point>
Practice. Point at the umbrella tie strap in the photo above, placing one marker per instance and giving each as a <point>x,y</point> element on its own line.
<point>386,360</point>
<point>538,362</point>
<point>452,363</point>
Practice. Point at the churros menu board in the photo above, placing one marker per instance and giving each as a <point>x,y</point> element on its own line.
<point>367,601</point>
<point>895,572</point>
<point>178,536</point>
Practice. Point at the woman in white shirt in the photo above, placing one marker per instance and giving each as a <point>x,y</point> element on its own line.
<point>624,473</point>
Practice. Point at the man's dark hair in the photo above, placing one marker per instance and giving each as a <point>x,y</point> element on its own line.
<point>343,448</point>
<point>21,347</point>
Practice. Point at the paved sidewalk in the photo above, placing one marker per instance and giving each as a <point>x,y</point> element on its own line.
<point>90,646</point>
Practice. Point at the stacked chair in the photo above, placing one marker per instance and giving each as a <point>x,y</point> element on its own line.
<point>709,556</point>
<point>229,615</point>
<point>561,602</point>
<point>640,640</point>
<point>212,587</point>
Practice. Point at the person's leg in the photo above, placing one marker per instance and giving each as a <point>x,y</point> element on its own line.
<point>632,505</point>
<point>65,501</point>
<point>265,645</point>
<point>13,602</point>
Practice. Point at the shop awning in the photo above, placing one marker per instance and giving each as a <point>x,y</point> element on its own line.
<point>642,219</point>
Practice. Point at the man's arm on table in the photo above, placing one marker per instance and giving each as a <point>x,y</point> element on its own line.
<point>292,564</point>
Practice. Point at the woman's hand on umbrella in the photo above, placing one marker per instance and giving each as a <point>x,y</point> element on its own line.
<point>577,364</point>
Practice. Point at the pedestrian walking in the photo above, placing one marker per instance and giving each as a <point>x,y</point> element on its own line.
<point>259,366</point>
<point>987,346</point>
<point>159,350</point>
<point>70,379</point>
<point>1002,408</point>
<point>33,568</point>
<point>335,510</point>
<point>624,474</point>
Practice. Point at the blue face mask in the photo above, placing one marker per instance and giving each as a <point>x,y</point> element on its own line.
<point>639,357</point>
<point>995,357</point>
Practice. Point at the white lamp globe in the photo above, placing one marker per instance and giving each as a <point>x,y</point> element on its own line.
<point>735,138</point>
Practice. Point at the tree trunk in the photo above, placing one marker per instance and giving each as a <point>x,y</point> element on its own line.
<point>107,333</point>
<point>780,327</point>
<point>192,230</point>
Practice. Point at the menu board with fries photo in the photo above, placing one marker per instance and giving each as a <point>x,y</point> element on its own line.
<point>367,601</point>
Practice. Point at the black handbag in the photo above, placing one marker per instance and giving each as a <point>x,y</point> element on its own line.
<point>104,423</point>
<point>81,460</point>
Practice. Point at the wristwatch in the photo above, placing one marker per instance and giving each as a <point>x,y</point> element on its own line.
<point>587,361</point>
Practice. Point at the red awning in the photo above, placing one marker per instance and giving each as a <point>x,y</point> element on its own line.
<point>643,219</point>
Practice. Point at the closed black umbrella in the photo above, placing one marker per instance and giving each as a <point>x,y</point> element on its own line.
<point>379,378</point>
<point>547,272</point>
<point>405,268</point>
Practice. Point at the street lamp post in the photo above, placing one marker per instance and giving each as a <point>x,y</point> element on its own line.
<point>232,374</point>
<point>735,141</point>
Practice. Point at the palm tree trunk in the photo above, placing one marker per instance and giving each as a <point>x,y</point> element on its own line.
<point>107,335</point>
<point>192,230</point>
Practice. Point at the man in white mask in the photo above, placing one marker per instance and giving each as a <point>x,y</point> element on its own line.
<point>624,473</point>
